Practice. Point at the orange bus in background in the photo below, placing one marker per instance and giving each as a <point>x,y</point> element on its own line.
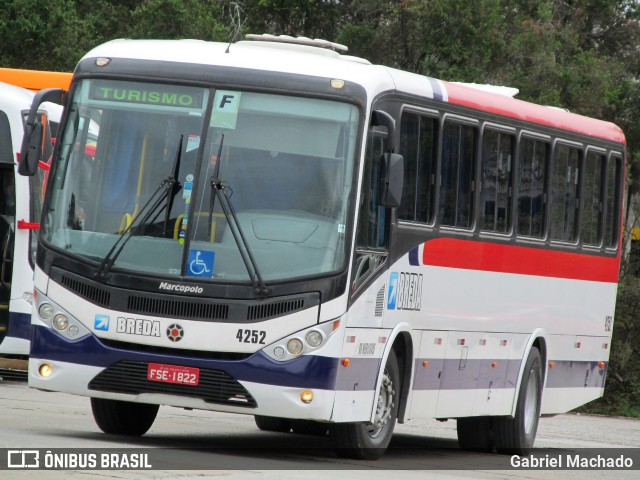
<point>35,79</point>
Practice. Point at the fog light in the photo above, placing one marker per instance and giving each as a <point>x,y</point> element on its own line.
<point>45,370</point>
<point>314,338</point>
<point>60,321</point>
<point>279,351</point>
<point>45,311</point>
<point>306,396</point>
<point>294,346</point>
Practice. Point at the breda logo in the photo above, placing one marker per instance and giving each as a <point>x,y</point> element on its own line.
<point>175,332</point>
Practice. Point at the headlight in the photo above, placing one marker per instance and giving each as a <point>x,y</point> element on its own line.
<point>314,338</point>
<point>294,346</point>
<point>302,342</point>
<point>45,311</point>
<point>60,321</point>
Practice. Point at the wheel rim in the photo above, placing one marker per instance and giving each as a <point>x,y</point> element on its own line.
<point>384,407</point>
<point>531,402</point>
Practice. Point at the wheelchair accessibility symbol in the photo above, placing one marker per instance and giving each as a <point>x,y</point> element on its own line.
<point>200,263</point>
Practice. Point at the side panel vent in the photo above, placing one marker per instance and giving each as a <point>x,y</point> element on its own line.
<point>380,302</point>
<point>178,308</point>
<point>85,290</point>
<point>275,309</point>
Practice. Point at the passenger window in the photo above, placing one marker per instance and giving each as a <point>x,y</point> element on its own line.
<point>591,226</point>
<point>534,156</point>
<point>612,222</point>
<point>456,190</point>
<point>418,146</point>
<point>564,193</point>
<point>495,188</point>
<point>6,146</point>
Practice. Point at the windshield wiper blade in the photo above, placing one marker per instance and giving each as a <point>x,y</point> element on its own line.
<point>220,190</point>
<point>174,185</point>
<point>166,192</point>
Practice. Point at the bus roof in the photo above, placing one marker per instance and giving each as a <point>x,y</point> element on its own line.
<point>376,79</point>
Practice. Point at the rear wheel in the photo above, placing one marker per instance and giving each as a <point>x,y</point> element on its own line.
<point>516,435</point>
<point>123,418</point>
<point>272,424</point>
<point>474,433</point>
<point>369,441</point>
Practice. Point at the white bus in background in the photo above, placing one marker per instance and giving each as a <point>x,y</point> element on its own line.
<point>20,209</point>
<point>275,229</point>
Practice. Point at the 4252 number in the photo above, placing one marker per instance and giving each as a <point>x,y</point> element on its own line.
<point>251,336</point>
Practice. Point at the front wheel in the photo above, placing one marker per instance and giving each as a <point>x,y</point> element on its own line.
<point>365,440</point>
<point>272,424</point>
<point>123,418</point>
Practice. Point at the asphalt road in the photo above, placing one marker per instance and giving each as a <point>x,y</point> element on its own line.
<point>214,445</point>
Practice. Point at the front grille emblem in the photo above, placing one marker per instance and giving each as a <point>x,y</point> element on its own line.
<point>175,332</point>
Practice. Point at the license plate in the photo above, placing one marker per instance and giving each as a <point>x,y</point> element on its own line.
<point>160,372</point>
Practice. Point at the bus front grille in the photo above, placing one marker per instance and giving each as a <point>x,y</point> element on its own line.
<point>214,386</point>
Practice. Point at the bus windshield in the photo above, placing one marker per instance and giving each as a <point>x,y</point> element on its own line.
<point>284,163</point>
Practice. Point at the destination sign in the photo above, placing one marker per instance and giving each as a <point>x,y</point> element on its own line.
<point>147,94</point>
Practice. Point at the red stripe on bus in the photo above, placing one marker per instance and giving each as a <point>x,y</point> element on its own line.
<point>529,112</point>
<point>495,257</point>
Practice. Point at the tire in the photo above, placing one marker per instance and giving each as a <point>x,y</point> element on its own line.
<point>474,433</point>
<point>309,427</point>
<point>369,441</point>
<point>272,424</point>
<point>123,418</point>
<point>515,436</point>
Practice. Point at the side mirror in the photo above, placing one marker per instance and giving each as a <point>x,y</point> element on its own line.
<point>383,119</point>
<point>37,139</point>
<point>392,180</point>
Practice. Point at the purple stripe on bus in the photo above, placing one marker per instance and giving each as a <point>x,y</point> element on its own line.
<point>361,374</point>
<point>576,374</point>
<point>414,256</point>
<point>437,90</point>
<point>440,374</point>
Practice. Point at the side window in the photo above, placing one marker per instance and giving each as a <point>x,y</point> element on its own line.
<point>564,193</point>
<point>372,227</point>
<point>612,221</point>
<point>6,146</point>
<point>371,237</point>
<point>456,181</point>
<point>534,158</point>
<point>591,225</point>
<point>495,188</point>
<point>418,146</point>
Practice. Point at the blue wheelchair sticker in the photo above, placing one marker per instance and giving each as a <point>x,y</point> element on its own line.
<point>392,297</point>
<point>200,263</point>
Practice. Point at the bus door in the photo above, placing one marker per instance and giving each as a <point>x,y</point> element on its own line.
<point>7,219</point>
<point>20,208</point>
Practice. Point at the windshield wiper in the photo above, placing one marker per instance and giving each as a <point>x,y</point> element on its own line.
<point>148,213</point>
<point>220,190</point>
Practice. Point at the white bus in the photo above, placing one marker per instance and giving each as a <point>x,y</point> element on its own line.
<point>20,209</point>
<point>273,228</point>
